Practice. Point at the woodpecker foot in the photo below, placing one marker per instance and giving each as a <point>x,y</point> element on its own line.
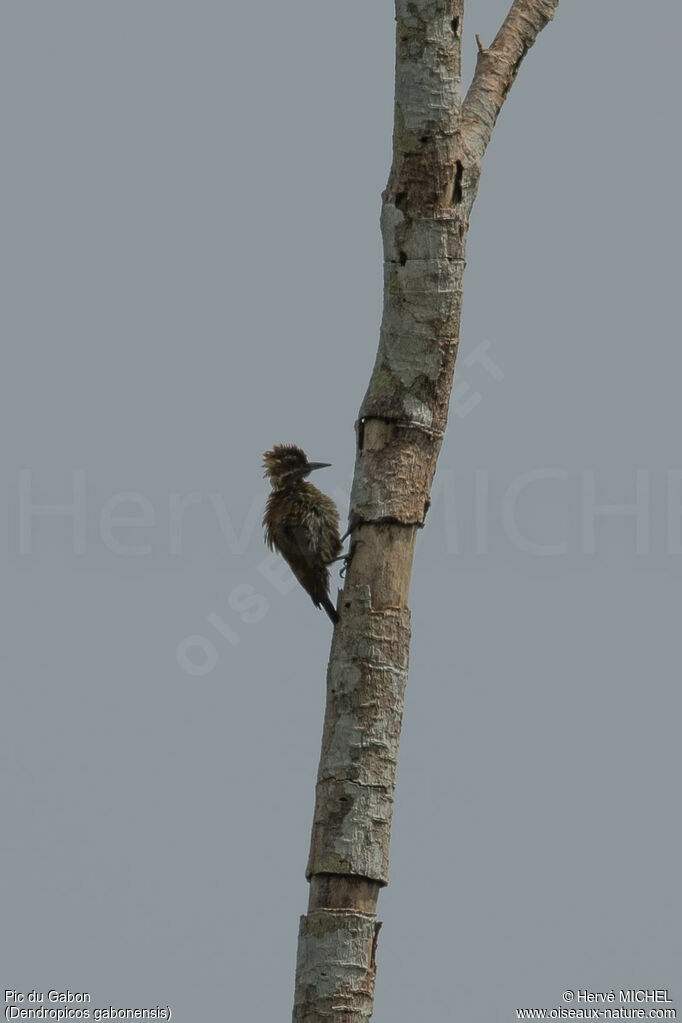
<point>346,558</point>
<point>353,524</point>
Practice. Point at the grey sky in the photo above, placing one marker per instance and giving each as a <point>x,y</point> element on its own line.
<point>191,272</point>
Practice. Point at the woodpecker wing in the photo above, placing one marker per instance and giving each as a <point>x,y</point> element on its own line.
<point>303,527</point>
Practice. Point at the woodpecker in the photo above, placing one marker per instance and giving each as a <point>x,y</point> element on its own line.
<point>301,522</point>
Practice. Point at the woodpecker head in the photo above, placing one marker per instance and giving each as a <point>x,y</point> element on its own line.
<point>285,464</point>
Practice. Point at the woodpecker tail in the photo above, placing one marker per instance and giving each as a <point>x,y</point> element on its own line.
<point>329,608</point>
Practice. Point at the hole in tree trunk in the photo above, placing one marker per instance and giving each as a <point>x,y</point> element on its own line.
<point>457,186</point>
<point>402,258</point>
<point>455,27</point>
<point>400,200</point>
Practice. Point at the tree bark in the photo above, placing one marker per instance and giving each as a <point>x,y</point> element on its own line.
<point>438,146</point>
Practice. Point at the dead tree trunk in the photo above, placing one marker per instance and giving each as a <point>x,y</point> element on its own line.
<point>438,146</point>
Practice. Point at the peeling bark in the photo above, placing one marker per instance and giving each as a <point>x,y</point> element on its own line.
<point>438,146</point>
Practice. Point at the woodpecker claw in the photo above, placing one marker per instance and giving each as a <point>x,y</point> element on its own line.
<point>352,526</point>
<point>346,558</point>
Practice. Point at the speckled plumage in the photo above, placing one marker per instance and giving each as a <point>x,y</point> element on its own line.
<point>301,522</point>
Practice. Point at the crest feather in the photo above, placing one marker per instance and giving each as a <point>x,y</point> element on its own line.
<point>283,458</point>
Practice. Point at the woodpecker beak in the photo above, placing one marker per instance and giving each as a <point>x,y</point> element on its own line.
<point>315,465</point>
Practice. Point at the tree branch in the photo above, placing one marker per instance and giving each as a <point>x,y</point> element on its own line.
<point>497,67</point>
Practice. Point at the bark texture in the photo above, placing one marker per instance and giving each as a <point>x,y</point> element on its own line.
<point>438,145</point>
